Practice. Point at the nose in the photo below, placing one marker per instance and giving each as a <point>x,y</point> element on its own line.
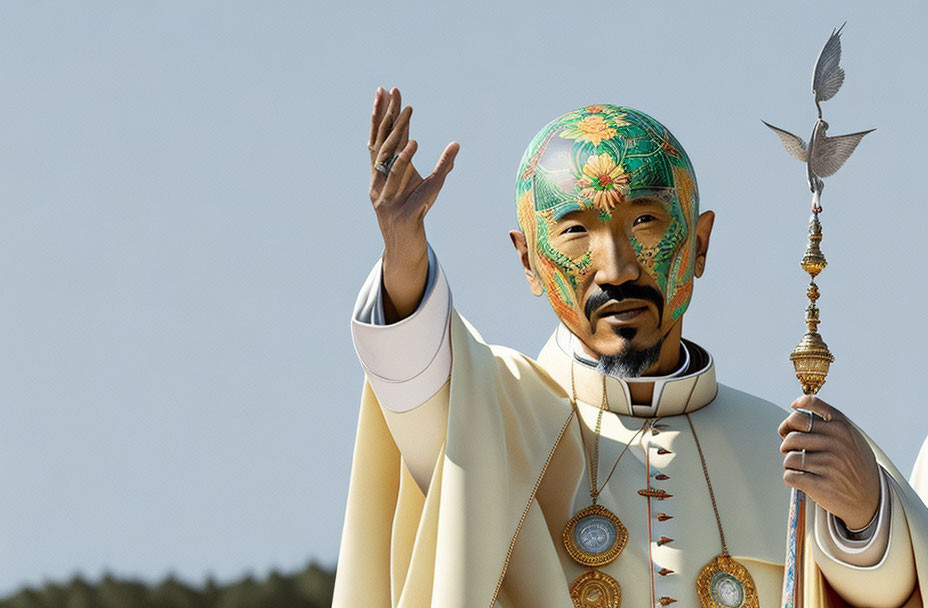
<point>614,259</point>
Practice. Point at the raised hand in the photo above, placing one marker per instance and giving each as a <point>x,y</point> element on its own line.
<point>401,198</point>
<point>827,458</point>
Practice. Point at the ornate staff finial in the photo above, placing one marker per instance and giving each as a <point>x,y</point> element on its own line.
<point>823,157</point>
<point>811,358</point>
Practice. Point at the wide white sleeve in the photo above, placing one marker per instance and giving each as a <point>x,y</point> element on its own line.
<point>919,479</point>
<point>408,365</point>
<point>406,362</point>
<point>877,569</point>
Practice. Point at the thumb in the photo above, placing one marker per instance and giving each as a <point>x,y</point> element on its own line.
<point>446,162</point>
<point>431,185</point>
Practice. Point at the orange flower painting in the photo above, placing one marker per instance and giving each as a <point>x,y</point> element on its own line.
<point>594,128</point>
<point>604,182</point>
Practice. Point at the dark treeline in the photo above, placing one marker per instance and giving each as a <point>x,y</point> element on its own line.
<point>311,588</point>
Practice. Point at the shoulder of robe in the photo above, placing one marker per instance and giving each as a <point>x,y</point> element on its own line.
<point>738,433</point>
<point>750,411</point>
<point>514,372</point>
<point>504,408</point>
<point>747,425</point>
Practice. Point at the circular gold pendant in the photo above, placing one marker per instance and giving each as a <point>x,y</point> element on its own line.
<point>593,589</point>
<point>724,583</point>
<point>594,536</point>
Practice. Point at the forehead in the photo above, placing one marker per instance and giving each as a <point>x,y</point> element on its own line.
<point>636,202</point>
<point>600,153</point>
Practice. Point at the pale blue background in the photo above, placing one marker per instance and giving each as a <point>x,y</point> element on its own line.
<point>185,224</point>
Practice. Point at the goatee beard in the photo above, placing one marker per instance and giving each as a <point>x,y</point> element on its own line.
<point>631,362</point>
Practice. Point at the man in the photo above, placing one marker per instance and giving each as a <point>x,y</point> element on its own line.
<point>614,469</point>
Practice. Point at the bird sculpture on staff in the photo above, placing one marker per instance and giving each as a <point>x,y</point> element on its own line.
<point>823,156</point>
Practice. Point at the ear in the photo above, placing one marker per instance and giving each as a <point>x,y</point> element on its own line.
<point>518,241</point>
<point>703,231</point>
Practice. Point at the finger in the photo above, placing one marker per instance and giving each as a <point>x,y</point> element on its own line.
<point>389,147</point>
<point>398,174</point>
<point>816,405</point>
<point>436,179</point>
<point>376,117</point>
<point>386,123</point>
<point>817,463</point>
<point>811,442</point>
<point>446,163</point>
<point>800,420</point>
<point>409,170</point>
<point>404,136</point>
<point>804,421</point>
<point>802,480</point>
<point>795,461</point>
<point>378,180</point>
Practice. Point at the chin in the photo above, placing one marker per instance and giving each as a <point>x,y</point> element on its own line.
<point>624,337</point>
<point>613,343</point>
<point>631,362</point>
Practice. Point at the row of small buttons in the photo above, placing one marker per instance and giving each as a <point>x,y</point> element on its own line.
<point>660,494</point>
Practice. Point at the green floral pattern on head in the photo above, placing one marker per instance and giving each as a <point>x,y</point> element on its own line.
<point>597,157</point>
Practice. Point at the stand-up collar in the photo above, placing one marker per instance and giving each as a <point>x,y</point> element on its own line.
<point>685,391</point>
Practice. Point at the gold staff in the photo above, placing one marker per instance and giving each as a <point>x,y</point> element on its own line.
<point>811,358</point>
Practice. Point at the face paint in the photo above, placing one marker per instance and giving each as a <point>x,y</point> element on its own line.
<point>599,158</point>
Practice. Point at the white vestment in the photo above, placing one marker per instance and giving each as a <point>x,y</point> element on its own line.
<point>919,478</point>
<point>461,498</point>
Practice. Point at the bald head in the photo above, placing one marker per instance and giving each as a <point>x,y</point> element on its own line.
<point>601,159</point>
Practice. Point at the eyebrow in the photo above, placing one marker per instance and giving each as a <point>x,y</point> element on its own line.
<point>565,210</point>
<point>571,208</point>
<point>644,200</point>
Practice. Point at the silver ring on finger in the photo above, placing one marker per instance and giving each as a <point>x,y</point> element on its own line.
<point>385,167</point>
<point>811,422</point>
<point>802,463</point>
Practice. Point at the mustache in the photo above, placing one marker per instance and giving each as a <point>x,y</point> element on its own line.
<point>621,292</point>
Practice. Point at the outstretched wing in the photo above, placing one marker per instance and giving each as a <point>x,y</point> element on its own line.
<point>793,144</point>
<point>831,152</point>
<point>828,75</point>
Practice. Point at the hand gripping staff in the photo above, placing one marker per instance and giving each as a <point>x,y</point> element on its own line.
<point>823,156</point>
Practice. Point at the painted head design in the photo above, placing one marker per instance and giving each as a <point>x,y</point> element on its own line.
<point>599,160</point>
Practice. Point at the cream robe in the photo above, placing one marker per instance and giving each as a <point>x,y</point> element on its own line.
<point>510,476</point>
<point>919,478</point>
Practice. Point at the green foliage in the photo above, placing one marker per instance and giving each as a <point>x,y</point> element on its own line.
<point>310,588</point>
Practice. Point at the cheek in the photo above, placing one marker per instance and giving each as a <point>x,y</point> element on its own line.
<point>679,298</point>
<point>562,275</point>
<point>684,260</point>
<point>680,264</point>
<point>659,260</point>
<point>562,296</point>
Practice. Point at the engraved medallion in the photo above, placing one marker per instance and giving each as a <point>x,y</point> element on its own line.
<point>595,536</point>
<point>724,583</point>
<point>593,589</point>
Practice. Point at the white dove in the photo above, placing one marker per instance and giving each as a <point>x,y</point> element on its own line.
<point>824,155</point>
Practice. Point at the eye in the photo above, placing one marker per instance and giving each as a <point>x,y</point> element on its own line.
<point>575,228</point>
<point>641,219</point>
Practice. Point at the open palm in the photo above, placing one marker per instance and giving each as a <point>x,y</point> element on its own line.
<point>400,195</point>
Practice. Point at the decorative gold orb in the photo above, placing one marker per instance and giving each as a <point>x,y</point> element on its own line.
<point>811,359</point>
<point>813,261</point>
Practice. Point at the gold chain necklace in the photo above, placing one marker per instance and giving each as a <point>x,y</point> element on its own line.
<point>595,536</point>
<point>723,582</point>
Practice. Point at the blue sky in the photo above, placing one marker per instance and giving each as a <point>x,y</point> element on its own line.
<point>185,225</point>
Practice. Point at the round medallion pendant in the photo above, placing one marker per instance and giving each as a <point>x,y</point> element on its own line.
<point>594,536</point>
<point>724,583</point>
<point>593,589</point>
